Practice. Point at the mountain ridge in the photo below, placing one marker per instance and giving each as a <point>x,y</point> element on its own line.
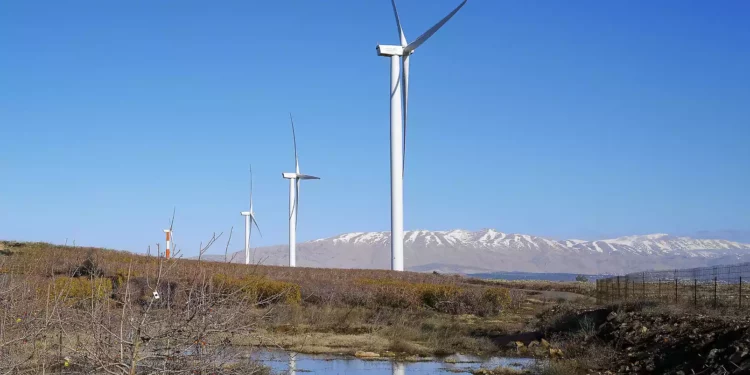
<point>466,251</point>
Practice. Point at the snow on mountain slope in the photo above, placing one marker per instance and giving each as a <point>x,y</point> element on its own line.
<point>489,249</point>
<point>652,244</point>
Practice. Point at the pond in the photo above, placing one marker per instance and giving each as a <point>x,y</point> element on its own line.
<point>282,362</point>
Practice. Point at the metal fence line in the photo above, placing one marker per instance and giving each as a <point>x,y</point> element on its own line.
<point>713,287</point>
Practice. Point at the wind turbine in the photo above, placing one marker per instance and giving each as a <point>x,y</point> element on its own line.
<point>294,179</point>
<point>399,56</point>
<point>168,233</point>
<point>249,221</point>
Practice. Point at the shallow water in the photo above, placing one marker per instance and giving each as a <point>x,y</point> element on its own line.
<point>282,362</point>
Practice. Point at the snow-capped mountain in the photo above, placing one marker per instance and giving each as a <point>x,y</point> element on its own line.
<point>651,244</point>
<point>491,250</point>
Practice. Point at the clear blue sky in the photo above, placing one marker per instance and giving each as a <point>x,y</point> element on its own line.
<point>565,119</point>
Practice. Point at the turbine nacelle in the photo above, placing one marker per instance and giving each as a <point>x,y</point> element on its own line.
<point>388,50</point>
<point>246,213</point>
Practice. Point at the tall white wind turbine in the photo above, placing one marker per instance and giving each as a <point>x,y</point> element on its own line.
<point>399,56</point>
<point>249,221</point>
<point>294,179</point>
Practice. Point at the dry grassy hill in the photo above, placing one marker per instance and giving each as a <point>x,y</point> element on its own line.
<point>126,312</point>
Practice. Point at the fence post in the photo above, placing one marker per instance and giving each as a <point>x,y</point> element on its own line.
<point>695,292</point>
<point>598,292</point>
<point>740,292</point>
<point>627,281</point>
<point>716,301</point>
<point>660,288</point>
<point>643,281</point>
<point>676,297</point>
<point>618,288</point>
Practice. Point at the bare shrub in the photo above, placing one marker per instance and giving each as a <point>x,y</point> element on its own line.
<point>517,297</point>
<point>101,318</point>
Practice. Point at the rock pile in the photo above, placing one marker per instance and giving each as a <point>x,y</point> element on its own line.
<point>679,344</point>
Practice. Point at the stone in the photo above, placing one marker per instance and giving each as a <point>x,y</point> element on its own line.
<point>544,343</point>
<point>737,356</point>
<point>611,316</point>
<point>713,353</point>
<point>555,353</point>
<point>533,344</point>
<point>363,354</point>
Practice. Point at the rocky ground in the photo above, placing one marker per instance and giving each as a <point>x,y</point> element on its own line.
<point>653,340</point>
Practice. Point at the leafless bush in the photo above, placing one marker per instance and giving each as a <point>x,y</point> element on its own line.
<point>517,297</point>
<point>97,320</point>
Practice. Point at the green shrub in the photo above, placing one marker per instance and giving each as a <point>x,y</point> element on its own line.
<point>268,291</point>
<point>79,289</point>
<point>259,289</point>
<point>497,297</point>
<point>435,296</point>
<point>403,294</point>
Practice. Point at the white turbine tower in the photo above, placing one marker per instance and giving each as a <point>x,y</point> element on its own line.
<point>294,179</point>
<point>249,221</point>
<point>399,56</point>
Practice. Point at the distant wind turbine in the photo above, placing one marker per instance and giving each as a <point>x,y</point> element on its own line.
<point>294,179</point>
<point>168,232</point>
<point>249,221</point>
<point>400,57</point>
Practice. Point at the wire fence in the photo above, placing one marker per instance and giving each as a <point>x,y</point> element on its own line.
<point>725,287</point>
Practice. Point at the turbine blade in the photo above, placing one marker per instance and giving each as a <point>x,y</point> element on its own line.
<point>294,138</point>
<point>405,75</point>
<point>422,38</point>
<point>171,222</point>
<point>251,188</point>
<point>307,177</point>
<point>294,205</point>
<point>398,24</point>
<point>252,217</point>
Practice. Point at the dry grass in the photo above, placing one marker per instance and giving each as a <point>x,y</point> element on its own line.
<point>561,367</point>
<point>76,309</point>
<point>583,288</point>
<point>304,309</point>
<point>499,371</point>
<point>311,286</point>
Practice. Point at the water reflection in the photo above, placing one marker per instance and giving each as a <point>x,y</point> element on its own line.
<point>398,368</point>
<point>292,364</point>
<point>282,362</point>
